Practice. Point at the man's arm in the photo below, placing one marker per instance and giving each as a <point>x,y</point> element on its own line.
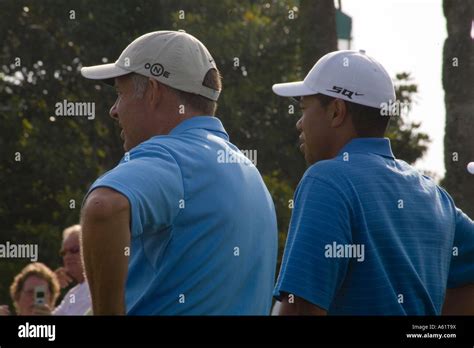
<point>105,239</point>
<point>293,305</point>
<point>460,293</point>
<point>459,301</point>
<point>308,280</point>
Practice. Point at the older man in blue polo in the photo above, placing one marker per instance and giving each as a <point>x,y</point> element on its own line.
<point>172,229</point>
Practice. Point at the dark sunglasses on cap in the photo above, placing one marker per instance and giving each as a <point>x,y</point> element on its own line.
<point>74,251</point>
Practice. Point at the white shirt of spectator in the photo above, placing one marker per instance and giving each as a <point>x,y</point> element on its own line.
<point>77,301</point>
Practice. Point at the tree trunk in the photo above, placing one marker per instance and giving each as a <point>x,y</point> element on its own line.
<point>458,78</point>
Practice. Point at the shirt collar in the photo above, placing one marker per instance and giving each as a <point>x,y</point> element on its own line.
<point>379,146</point>
<point>209,123</point>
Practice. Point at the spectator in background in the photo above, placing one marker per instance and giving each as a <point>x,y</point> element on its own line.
<point>22,290</point>
<point>77,300</point>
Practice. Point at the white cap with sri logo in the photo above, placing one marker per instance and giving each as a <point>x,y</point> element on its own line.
<point>347,75</point>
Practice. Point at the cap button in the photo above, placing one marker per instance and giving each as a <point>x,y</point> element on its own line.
<point>362,51</point>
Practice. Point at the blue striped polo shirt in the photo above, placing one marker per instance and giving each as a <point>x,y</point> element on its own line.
<point>370,235</point>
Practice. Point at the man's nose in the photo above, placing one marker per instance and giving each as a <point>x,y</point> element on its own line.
<point>113,111</point>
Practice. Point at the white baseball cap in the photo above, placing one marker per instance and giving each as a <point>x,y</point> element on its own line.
<point>347,75</point>
<point>174,58</point>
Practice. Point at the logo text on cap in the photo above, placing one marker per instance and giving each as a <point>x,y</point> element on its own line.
<point>344,92</point>
<point>157,70</point>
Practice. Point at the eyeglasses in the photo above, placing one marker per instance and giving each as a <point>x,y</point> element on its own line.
<point>73,251</point>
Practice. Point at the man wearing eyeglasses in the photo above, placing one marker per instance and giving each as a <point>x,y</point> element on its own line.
<point>77,300</point>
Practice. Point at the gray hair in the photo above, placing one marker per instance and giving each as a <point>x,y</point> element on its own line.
<point>74,229</point>
<point>139,85</point>
<point>192,101</point>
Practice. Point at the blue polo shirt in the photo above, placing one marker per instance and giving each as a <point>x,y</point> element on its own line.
<point>369,235</point>
<point>203,225</point>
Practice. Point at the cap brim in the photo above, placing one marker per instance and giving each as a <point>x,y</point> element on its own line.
<point>106,72</point>
<point>292,89</point>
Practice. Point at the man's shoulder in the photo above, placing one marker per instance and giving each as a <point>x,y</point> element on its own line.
<point>151,155</point>
<point>168,142</point>
<point>155,147</point>
<point>328,170</point>
<point>162,148</point>
<point>327,177</point>
<point>342,172</point>
<point>73,290</point>
<point>139,166</point>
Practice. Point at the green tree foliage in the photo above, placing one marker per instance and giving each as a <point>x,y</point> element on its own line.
<point>48,162</point>
<point>407,143</point>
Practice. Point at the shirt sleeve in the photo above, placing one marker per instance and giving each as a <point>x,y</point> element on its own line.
<point>153,185</point>
<point>461,271</point>
<point>321,216</point>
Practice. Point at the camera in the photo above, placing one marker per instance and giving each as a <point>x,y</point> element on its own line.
<point>40,293</point>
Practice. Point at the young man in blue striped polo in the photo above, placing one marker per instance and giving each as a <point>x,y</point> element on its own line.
<point>369,235</point>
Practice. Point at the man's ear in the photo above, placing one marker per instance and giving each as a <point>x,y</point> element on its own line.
<point>339,113</point>
<point>156,92</point>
